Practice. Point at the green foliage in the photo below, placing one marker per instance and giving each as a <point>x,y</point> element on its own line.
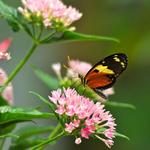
<point>120,105</point>
<point>51,106</point>
<point>11,15</point>
<point>43,100</point>
<point>69,36</point>
<point>6,128</point>
<point>9,135</point>
<point>3,101</point>
<point>25,144</point>
<point>50,140</point>
<point>28,131</point>
<point>121,135</point>
<point>28,136</point>
<point>10,115</point>
<point>50,81</point>
<point>14,19</point>
<point>102,129</point>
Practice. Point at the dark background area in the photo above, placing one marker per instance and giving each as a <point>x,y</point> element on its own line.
<point>127,20</point>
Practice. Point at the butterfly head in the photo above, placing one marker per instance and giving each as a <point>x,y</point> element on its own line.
<point>81,77</point>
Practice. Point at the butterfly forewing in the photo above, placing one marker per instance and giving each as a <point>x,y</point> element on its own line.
<point>103,74</point>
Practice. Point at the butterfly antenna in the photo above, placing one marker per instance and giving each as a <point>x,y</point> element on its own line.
<point>68,58</point>
<point>66,67</point>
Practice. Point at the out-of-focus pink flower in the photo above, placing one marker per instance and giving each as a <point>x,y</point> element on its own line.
<point>8,92</point>
<point>51,12</point>
<point>83,115</point>
<point>57,69</point>
<point>4,45</point>
<point>109,91</point>
<point>77,67</point>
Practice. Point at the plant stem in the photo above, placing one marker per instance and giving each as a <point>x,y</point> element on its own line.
<point>2,141</point>
<point>41,145</point>
<point>21,64</point>
<point>43,41</point>
<point>53,136</point>
<point>118,104</point>
<point>55,131</point>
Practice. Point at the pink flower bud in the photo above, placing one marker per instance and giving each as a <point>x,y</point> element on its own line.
<point>4,45</point>
<point>8,92</point>
<point>78,140</point>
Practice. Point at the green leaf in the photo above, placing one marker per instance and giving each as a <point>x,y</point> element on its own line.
<point>51,106</point>
<point>14,19</point>
<point>27,136</point>
<point>48,141</point>
<point>50,81</point>
<point>3,101</point>
<point>42,99</point>
<point>10,14</point>
<point>69,36</point>
<point>25,144</point>
<point>9,135</point>
<point>121,105</point>
<point>10,115</point>
<point>5,129</point>
<point>121,135</point>
<point>29,131</point>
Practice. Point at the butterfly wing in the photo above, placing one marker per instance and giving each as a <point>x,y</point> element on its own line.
<point>103,74</point>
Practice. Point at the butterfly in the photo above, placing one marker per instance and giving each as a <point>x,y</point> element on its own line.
<point>103,74</point>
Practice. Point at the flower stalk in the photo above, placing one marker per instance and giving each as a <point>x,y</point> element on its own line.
<point>20,65</point>
<point>50,139</point>
<point>55,131</point>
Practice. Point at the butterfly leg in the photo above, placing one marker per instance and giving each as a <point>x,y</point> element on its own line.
<point>101,94</point>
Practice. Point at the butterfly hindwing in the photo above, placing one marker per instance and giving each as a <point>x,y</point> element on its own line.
<point>104,73</point>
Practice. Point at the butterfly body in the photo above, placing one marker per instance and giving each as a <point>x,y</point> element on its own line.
<point>103,74</point>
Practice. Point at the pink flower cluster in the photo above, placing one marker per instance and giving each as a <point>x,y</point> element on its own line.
<point>4,45</point>
<point>78,67</point>
<point>84,116</point>
<point>8,92</point>
<point>50,11</point>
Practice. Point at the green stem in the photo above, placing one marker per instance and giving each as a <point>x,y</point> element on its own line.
<point>41,145</point>
<point>119,104</point>
<point>20,65</point>
<point>55,131</point>
<point>2,141</point>
<point>48,37</point>
<point>53,136</point>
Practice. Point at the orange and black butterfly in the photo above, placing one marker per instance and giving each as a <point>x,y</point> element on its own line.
<point>103,74</point>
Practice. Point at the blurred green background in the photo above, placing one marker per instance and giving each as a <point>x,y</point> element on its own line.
<point>127,20</point>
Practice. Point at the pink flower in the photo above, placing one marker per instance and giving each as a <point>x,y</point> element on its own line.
<point>109,143</point>
<point>69,127</point>
<point>109,91</point>
<point>57,69</point>
<point>109,133</point>
<point>83,115</point>
<point>50,12</point>
<point>8,92</point>
<point>78,140</point>
<point>87,131</point>
<point>77,67</point>
<point>4,45</point>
